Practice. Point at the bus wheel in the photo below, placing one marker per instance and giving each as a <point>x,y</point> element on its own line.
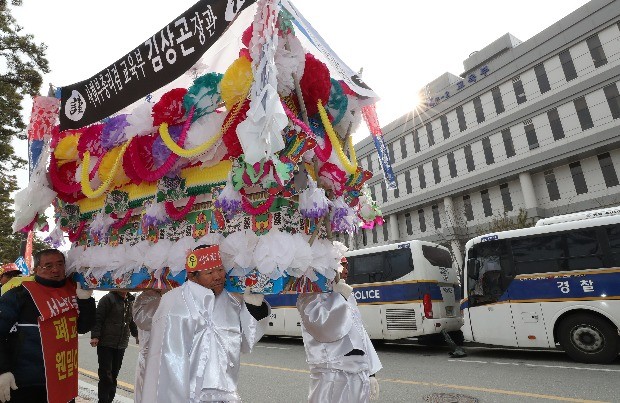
<point>588,338</point>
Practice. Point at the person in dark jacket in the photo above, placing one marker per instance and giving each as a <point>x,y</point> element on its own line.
<point>22,368</point>
<point>110,335</point>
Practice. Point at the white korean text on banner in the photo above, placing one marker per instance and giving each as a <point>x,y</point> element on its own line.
<point>157,61</point>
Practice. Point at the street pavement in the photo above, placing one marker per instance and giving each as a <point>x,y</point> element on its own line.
<point>276,372</point>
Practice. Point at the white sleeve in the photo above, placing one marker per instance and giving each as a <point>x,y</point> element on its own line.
<point>252,330</point>
<point>325,316</point>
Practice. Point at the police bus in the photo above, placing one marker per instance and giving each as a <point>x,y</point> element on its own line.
<point>555,284</point>
<point>403,290</point>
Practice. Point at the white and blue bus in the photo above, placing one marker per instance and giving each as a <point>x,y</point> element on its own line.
<point>555,284</point>
<point>403,290</point>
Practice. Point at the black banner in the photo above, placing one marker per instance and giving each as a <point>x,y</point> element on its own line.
<point>159,60</point>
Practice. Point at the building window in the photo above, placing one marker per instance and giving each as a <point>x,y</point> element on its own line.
<point>488,151</point>
<point>383,192</point>
<point>374,234</point>
<point>486,203</point>
<point>369,162</point>
<point>403,148</point>
<point>469,158</point>
<point>497,100</point>
<point>408,223</point>
<point>452,165</point>
<point>517,85</point>
<point>567,65</point>
<point>510,148</point>
<point>396,190</point>
<point>422,220</point>
<point>421,176</point>
<point>506,200</point>
<point>385,229</point>
<point>541,77</point>
<point>478,110</point>
<point>552,186</point>
<point>578,179</point>
<point>429,133</point>
<point>416,141</point>
<point>373,193</point>
<point>469,211</point>
<point>364,237</point>
<point>391,153</point>
<point>461,118</point>
<point>436,173</point>
<point>408,182</point>
<point>556,124</point>
<point>609,172</point>
<point>596,51</point>
<point>444,126</point>
<point>530,134</point>
<point>613,100</point>
<point>436,219</point>
<point>583,113</point>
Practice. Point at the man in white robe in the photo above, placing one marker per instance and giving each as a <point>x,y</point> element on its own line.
<point>341,356</point>
<point>198,333</point>
<point>144,308</point>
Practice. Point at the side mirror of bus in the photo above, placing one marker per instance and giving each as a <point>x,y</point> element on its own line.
<point>472,268</point>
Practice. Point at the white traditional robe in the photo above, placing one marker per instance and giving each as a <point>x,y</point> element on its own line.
<point>195,346</point>
<point>144,308</point>
<point>331,328</point>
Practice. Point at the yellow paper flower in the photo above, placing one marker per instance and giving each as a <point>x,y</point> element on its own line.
<point>66,149</point>
<point>107,163</point>
<point>236,82</point>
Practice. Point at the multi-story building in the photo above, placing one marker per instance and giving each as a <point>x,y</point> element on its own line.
<point>528,126</point>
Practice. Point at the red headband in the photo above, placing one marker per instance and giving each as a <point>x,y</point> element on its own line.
<point>203,258</point>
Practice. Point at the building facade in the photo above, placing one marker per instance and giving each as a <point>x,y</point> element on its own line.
<point>529,126</point>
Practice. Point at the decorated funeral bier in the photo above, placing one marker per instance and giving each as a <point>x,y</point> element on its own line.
<point>256,157</point>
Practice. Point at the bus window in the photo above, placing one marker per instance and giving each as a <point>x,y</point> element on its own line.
<point>385,266</point>
<point>584,250</point>
<point>489,270</point>
<point>436,256</point>
<point>613,233</point>
<point>539,254</point>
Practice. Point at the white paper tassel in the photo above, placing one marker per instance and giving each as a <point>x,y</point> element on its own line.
<point>140,121</point>
<point>100,225</point>
<point>36,197</point>
<point>313,203</point>
<point>237,251</point>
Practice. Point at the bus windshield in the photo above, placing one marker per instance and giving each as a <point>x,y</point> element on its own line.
<point>436,256</point>
<point>382,266</point>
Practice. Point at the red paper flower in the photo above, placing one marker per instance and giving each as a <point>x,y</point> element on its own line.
<point>229,137</point>
<point>315,84</point>
<point>90,141</point>
<point>138,152</point>
<point>169,109</point>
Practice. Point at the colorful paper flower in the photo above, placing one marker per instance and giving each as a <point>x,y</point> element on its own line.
<point>315,83</point>
<point>169,109</point>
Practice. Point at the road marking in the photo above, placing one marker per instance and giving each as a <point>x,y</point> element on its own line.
<point>538,365</point>
<point>445,385</point>
<point>303,371</point>
<point>274,347</point>
<point>96,376</point>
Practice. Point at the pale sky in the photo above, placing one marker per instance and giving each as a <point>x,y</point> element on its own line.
<point>401,44</point>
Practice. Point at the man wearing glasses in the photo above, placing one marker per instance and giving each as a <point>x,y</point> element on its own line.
<point>39,322</point>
